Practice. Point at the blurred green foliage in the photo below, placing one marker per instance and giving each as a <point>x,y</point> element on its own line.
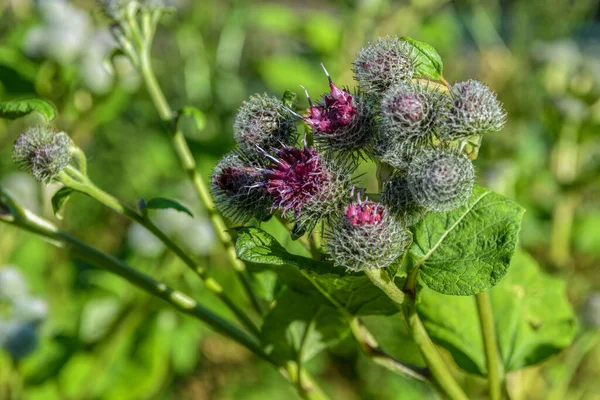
<point>104,340</point>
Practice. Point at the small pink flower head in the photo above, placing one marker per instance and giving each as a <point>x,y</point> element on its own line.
<point>366,237</point>
<point>294,177</point>
<point>337,109</point>
<point>364,213</point>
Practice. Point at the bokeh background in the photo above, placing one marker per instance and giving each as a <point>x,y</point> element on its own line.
<point>98,338</point>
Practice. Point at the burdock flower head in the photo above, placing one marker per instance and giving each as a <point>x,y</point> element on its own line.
<point>440,180</point>
<point>43,152</point>
<point>408,111</point>
<point>263,122</point>
<point>234,187</point>
<point>341,121</point>
<point>400,202</point>
<point>303,182</point>
<point>366,237</point>
<point>470,109</point>
<point>384,63</point>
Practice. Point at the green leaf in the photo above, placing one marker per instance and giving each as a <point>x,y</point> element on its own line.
<point>59,201</point>
<point>467,250</point>
<point>428,62</point>
<point>289,99</point>
<point>192,112</point>
<point>352,291</point>
<point>532,317</point>
<point>299,327</point>
<point>19,108</point>
<point>161,203</point>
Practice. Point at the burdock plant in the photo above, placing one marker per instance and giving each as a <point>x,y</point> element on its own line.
<point>429,236</point>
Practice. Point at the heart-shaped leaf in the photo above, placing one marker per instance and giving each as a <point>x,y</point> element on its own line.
<point>467,250</point>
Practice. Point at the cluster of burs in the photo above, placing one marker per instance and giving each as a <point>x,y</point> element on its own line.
<point>415,129</point>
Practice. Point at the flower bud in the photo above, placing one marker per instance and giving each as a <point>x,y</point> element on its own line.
<point>342,122</point>
<point>263,122</point>
<point>43,152</point>
<point>408,112</point>
<point>382,64</point>
<point>440,180</point>
<point>366,237</point>
<point>234,185</point>
<point>400,202</point>
<point>305,183</point>
<point>471,109</point>
<point>113,9</point>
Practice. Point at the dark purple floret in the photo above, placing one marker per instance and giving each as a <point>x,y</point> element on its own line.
<point>233,180</point>
<point>294,177</point>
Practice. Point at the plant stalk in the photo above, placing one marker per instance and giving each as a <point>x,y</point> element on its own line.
<point>189,165</point>
<point>81,183</point>
<point>490,344</point>
<point>443,379</point>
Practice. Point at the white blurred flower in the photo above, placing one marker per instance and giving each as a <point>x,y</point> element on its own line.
<point>68,35</point>
<point>199,237</point>
<point>144,242</point>
<point>22,186</point>
<point>12,284</point>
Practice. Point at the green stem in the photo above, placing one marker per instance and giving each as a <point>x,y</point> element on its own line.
<point>367,342</point>
<point>13,214</point>
<point>444,380</point>
<point>380,278</point>
<point>182,302</point>
<point>373,350</point>
<point>75,180</point>
<point>488,332</point>
<point>189,165</point>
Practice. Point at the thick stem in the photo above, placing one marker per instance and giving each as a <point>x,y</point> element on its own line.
<point>82,184</point>
<point>442,377</point>
<point>380,278</point>
<point>444,380</point>
<point>488,332</point>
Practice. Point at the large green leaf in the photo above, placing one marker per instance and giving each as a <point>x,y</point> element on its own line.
<point>299,327</point>
<point>352,291</point>
<point>532,317</point>
<point>19,108</point>
<point>468,250</point>
<point>428,62</point>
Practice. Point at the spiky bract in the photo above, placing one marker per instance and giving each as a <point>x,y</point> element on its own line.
<point>400,202</point>
<point>307,184</point>
<point>384,63</point>
<point>366,237</point>
<point>235,187</point>
<point>470,109</point>
<point>440,180</point>
<point>354,137</point>
<point>263,122</point>
<point>43,152</point>
<point>408,112</point>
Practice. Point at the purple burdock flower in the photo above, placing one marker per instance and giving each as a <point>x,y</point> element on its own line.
<point>307,183</point>
<point>341,121</point>
<point>364,213</point>
<point>294,177</point>
<point>336,110</point>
